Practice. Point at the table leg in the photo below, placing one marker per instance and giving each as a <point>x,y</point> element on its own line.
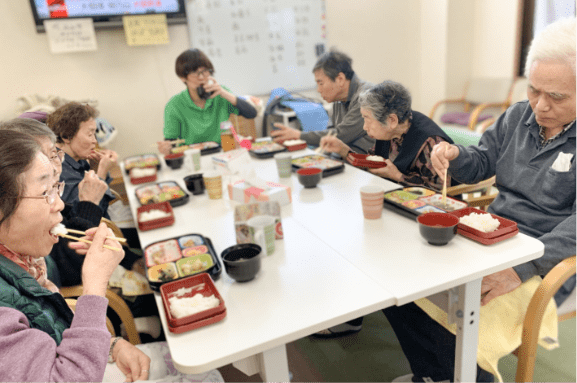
<point>271,364</point>
<point>466,312</point>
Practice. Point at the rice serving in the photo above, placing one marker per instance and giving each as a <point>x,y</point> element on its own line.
<point>375,158</point>
<point>293,142</point>
<point>153,214</point>
<point>182,307</point>
<point>482,222</point>
<point>59,229</point>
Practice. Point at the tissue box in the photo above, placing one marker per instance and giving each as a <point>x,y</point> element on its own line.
<point>244,212</point>
<point>232,161</point>
<point>245,193</point>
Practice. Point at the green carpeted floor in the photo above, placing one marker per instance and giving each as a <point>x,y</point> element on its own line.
<point>374,355</point>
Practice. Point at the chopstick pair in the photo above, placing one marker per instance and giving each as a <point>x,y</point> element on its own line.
<point>321,149</point>
<point>87,241</point>
<point>175,142</point>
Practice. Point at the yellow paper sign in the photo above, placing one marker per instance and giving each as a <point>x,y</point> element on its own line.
<point>145,29</point>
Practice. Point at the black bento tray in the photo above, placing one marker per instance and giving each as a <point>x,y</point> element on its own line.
<point>266,154</point>
<point>214,271</point>
<point>173,202</point>
<point>127,170</point>
<point>330,166</point>
<point>419,200</point>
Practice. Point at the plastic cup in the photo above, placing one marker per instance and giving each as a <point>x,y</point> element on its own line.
<point>195,154</point>
<point>283,164</point>
<point>372,197</point>
<point>261,230</point>
<point>213,184</point>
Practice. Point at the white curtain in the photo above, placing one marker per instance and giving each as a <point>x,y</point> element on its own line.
<point>547,11</point>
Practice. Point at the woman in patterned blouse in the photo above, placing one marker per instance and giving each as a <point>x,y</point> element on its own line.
<point>404,137</point>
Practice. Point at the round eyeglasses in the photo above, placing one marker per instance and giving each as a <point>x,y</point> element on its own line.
<point>58,156</point>
<point>50,195</point>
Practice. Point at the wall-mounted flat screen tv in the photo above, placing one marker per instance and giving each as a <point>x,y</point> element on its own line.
<point>105,13</point>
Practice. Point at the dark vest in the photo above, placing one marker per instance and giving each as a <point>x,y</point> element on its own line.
<point>422,127</point>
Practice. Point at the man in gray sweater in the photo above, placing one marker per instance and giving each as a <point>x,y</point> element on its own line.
<point>338,83</point>
<point>531,150</point>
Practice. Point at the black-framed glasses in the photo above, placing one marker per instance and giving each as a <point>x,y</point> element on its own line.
<point>201,71</point>
<point>50,195</point>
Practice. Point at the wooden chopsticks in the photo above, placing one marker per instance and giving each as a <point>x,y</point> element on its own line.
<point>444,200</point>
<point>123,240</point>
<point>175,142</point>
<point>321,149</point>
<point>87,241</point>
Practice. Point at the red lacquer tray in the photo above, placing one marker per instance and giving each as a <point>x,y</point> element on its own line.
<point>359,161</point>
<point>487,241</point>
<point>292,148</point>
<point>197,324</point>
<point>141,180</point>
<point>506,225</point>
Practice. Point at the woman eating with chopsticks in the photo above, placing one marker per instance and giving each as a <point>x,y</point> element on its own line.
<point>41,339</point>
<point>404,136</point>
<point>404,139</point>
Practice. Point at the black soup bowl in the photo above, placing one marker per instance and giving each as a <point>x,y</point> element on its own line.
<point>438,228</point>
<point>174,161</point>
<point>242,262</point>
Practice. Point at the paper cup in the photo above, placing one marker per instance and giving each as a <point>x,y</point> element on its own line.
<point>261,231</point>
<point>213,184</point>
<point>372,197</point>
<point>283,164</point>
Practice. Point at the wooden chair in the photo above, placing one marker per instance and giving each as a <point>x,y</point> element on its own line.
<point>244,126</point>
<point>117,304</point>
<point>481,94</point>
<point>526,353</point>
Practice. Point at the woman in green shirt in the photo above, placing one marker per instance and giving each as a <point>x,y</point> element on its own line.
<point>195,114</point>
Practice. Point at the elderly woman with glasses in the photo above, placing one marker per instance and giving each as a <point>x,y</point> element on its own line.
<point>41,339</point>
<point>195,114</point>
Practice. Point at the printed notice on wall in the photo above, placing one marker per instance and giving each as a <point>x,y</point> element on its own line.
<point>71,35</point>
<point>146,29</point>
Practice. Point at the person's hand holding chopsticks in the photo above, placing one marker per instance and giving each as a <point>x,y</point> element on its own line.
<point>331,144</point>
<point>441,155</point>
<point>107,160</point>
<point>91,188</point>
<point>99,262</point>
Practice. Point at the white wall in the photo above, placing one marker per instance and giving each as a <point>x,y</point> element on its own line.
<point>423,44</point>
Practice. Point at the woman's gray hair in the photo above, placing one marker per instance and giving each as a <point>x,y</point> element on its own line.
<point>29,125</point>
<point>386,98</point>
<point>555,42</point>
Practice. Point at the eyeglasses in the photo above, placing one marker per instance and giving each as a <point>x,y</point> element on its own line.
<point>50,195</point>
<point>59,155</point>
<point>202,71</point>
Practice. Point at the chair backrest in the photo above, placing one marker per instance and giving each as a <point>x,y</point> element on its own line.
<point>518,90</point>
<point>461,136</point>
<point>488,90</point>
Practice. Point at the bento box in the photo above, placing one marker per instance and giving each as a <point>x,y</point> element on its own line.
<point>293,145</point>
<point>187,289</point>
<point>414,201</point>
<point>329,166</point>
<point>265,148</point>
<point>506,228</point>
<point>146,220</point>
<point>162,191</point>
<point>179,257</point>
<point>207,147</point>
<point>141,161</point>
<point>143,175</point>
<point>360,161</point>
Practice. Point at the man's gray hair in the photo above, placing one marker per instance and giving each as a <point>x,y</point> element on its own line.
<point>386,98</point>
<point>29,125</point>
<point>334,62</point>
<point>555,42</point>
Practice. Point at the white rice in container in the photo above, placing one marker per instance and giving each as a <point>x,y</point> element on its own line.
<point>375,158</point>
<point>482,222</point>
<point>153,214</point>
<point>182,307</point>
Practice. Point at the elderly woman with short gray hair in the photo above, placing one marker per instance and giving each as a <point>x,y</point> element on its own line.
<point>404,137</point>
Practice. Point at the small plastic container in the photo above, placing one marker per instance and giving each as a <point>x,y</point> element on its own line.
<point>155,223</point>
<point>294,147</point>
<point>200,283</point>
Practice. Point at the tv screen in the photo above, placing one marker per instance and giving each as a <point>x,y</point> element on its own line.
<point>105,13</point>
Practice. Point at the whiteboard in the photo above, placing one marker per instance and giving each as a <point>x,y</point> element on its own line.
<point>258,45</point>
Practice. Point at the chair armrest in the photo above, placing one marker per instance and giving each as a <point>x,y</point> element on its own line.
<point>479,108</point>
<point>532,323</point>
<point>447,101</point>
<point>469,188</point>
<point>485,124</point>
